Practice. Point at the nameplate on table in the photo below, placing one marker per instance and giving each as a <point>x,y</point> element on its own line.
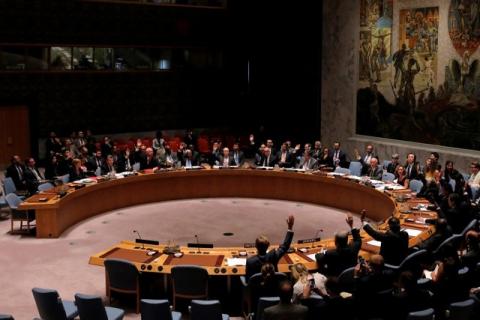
<point>412,232</point>
<point>232,262</point>
<point>194,168</point>
<point>374,243</point>
<point>311,240</point>
<point>263,168</point>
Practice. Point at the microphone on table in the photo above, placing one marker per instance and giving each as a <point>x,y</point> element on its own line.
<point>198,244</point>
<point>140,237</point>
<point>317,232</point>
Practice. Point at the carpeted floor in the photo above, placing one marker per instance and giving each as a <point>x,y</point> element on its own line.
<point>62,263</point>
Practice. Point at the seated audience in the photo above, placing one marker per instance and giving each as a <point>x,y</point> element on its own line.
<point>109,168</point>
<point>254,263</point>
<point>307,162</point>
<point>325,160</point>
<point>95,162</point>
<point>77,172</point>
<point>286,310</point>
<point>125,160</point>
<point>225,159</point>
<point>33,177</point>
<point>188,160</point>
<point>284,157</point>
<point>148,161</point>
<point>266,159</point>
<point>52,168</point>
<point>374,171</point>
<point>307,284</point>
<point>317,150</point>
<point>16,171</point>
<point>392,166</point>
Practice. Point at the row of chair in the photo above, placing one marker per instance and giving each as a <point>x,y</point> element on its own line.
<point>51,307</point>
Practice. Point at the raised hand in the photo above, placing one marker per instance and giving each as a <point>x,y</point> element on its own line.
<point>290,221</point>
<point>349,220</point>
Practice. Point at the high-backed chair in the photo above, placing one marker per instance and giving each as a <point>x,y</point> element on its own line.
<point>28,216</point>
<point>386,163</point>
<point>453,240</point>
<point>6,317</point>
<point>158,309</point>
<point>411,262</point>
<point>264,303</point>
<point>92,308</point>
<point>189,282</point>
<point>255,288</point>
<point>427,314</point>
<point>355,168</point>
<point>122,276</point>
<point>65,178</point>
<point>416,185</point>
<point>388,177</point>
<point>462,310</point>
<point>207,309</point>
<point>9,187</point>
<point>45,186</point>
<point>469,227</point>
<point>51,307</point>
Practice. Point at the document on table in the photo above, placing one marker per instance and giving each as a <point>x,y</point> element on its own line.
<point>232,262</point>
<point>412,232</point>
<point>374,243</point>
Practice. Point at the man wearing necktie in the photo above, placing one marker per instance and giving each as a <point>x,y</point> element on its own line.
<point>16,172</point>
<point>238,156</point>
<point>32,176</point>
<point>411,167</point>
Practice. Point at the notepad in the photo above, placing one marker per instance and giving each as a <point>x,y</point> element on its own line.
<point>374,243</point>
<point>412,232</point>
<point>231,262</point>
<point>311,256</point>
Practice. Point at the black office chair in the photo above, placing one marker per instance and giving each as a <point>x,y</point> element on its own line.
<point>158,309</point>
<point>346,280</point>
<point>256,288</point>
<point>264,303</point>
<point>207,309</point>
<point>92,308</point>
<point>51,307</point>
<point>122,276</point>
<point>6,317</point>
<point>189,282</point>
<point>462,310</point>
<point>427,314</point>
<point>411,263</point>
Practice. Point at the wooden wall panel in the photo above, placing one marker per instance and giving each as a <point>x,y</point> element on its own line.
<point>14,133</point>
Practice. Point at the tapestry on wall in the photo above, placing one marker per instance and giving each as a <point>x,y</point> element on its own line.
<point>408,101</point>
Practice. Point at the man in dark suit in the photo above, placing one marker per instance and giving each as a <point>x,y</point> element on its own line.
<point>254,263</point>
<point>286,310</point>
<point>226,159</point>
<point>307,162</point>
<point>33,177</point>
<point>237,155</point>
<point>317,150</point>
<point>95,162</point>
<point>188,160</point>
<point>109,167</point>
<point>373,170</point>
<point>284,157</point>
<point>338,156</point>
<point>392,166</point>
<point>16,171</point>
<point>394,241</point>
<point>334,261</point>
<point>149,161</point>
<point>267,159</point>
<point>411,167</point>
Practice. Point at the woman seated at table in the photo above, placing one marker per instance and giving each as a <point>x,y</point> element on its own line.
<point>307,284</point>
<point>325,160</point>
<point>77,172</point>
<point>401,176</point>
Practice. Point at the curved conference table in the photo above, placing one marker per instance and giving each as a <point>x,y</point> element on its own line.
<point>54,215</point>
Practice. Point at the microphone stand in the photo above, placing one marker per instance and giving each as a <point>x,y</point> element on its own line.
<point>140,237</point>
<point>198,245</point>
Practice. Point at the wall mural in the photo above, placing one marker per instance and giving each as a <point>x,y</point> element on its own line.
<point>399,95</point>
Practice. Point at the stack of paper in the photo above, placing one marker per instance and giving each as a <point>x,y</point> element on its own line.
<point>232,262</point>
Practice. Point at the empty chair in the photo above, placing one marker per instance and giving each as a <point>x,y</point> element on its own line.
<point>454,241</point>
<point>416,185</point>
<point>355,168</point>
<point>3,201</point>
<point>98,172</point>
<point>207,309</point>
<point>122,276</point>
<point>427,314</point>
<point>19,215</point>
<point>461,310</point>
<point>6,317</point>
<point>158,309</point>
<point>342,170</point>
<point>388,177</point>
<point>51,307</point>
<point>9,187</point>
<point>189,282</point>
<point>264,303</point>
<point>453,183</point>
<point>91,307</point>
<point>65,178</point>
<point>45,186</point>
